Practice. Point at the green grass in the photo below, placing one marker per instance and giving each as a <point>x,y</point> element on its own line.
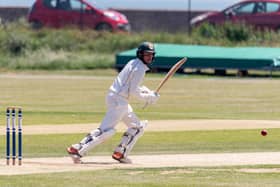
<point>78,97</point>
<point>59,60</point>
<point>156,143</point>
<point>175,177</point>
<point>70,48</point>
<point>159,143</point>
<point>54,99</point>
<point>61,97</point>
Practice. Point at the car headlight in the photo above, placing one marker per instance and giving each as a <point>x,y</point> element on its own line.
<point>198,18</point>
<point>112,16</point>
<point>123,17</point>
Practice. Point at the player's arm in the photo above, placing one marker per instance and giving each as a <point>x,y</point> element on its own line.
<point>142,92</point>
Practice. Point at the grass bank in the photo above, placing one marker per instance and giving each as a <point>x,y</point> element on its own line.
<point>71,48</point>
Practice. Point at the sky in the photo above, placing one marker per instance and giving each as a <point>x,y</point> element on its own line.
<point>144,4</point>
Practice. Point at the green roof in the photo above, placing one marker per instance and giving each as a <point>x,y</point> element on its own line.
<point>209,57</point>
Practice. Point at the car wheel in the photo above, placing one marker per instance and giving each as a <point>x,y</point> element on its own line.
<point>36,25</point>
<point>104,27</point>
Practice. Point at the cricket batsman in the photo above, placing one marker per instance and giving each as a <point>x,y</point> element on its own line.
<point>126,85</point>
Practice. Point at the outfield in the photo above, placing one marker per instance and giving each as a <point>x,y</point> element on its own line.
<point>63,101</point>
<point>158,159</point>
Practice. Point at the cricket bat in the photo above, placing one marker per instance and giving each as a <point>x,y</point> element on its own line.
<point>170,73</point>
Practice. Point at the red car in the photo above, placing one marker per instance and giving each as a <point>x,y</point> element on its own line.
<point>259,13</point>
<point>59,13</point>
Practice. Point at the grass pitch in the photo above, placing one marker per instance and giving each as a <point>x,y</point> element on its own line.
<point>175,177</point>
<point>64,99</point>
<point>220,141</point>
<point>52,99</point>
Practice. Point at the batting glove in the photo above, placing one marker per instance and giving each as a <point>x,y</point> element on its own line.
<point>153,97</point>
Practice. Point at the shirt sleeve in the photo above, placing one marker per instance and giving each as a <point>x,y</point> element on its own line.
<point>135,88</point>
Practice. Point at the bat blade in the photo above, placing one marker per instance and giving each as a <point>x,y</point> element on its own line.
<point>170,73</point>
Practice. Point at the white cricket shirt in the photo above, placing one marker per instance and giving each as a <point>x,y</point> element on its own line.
<point>128,81</point>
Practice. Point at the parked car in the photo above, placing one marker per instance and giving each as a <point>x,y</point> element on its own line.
<point>259,13</point>
<point>59,13</point>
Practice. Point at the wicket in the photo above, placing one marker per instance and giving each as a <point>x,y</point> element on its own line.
<point>11,112</point>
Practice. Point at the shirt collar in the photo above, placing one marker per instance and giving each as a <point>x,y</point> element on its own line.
<point>145,66</point>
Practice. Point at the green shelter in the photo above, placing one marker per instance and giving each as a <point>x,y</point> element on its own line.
<point>209,57</point>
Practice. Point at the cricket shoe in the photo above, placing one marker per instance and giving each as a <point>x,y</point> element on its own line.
<point>74,154</point>
<point>119,157</point>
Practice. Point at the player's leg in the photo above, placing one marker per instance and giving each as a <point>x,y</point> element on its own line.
<point>96,137</point>
<point>134,132</point>
<point>101,134</point>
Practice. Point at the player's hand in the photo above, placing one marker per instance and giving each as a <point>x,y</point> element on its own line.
<point>145,90</point>
<point>153,98</point>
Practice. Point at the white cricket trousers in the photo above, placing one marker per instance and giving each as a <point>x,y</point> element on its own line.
<point>118,109</point>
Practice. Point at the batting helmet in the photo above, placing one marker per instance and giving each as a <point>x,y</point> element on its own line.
<point>145,47</point>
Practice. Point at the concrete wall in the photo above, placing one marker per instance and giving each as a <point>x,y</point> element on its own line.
<point>141,20</point>
<point>169,21</point>
<point>12,14</point>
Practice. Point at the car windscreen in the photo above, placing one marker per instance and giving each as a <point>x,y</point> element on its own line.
<point>96,5</point>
